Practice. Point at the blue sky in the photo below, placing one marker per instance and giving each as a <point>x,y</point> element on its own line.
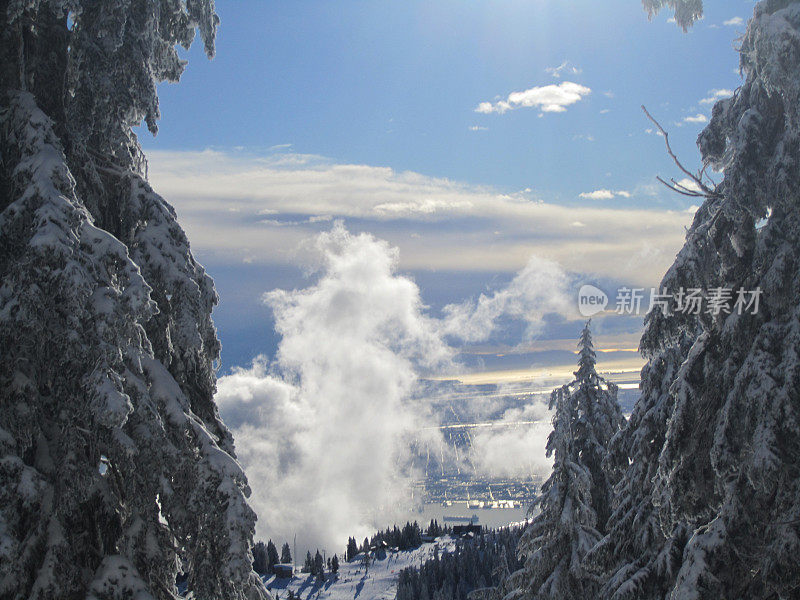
<point>365,112</point>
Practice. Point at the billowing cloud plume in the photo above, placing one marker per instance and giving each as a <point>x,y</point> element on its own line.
<point>547,98</point>
<point>322,431</point>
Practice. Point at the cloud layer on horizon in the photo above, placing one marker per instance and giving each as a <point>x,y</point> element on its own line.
<point>243,208</point>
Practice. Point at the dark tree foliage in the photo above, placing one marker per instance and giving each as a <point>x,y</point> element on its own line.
<point>260,561</point>
<point>435,530</point>
<point>272,556</point>
<point>352,549</point>
<point>286,554</point>
<point>318,566</point>
<point>406,538</point>
<point>478,565</point>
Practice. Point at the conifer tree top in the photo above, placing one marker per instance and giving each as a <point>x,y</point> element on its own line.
<point>587,358</point>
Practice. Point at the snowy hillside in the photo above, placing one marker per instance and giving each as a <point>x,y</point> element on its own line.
<point>379,581</point>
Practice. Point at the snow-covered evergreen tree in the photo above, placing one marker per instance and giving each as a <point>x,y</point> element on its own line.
<point>115,468</point>
<point>686,11</point>
<point>710,499</point>
<point>576,499</point>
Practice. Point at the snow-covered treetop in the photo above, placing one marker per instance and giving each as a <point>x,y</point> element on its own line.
<point>586,363</point>
<point>106,60</point>
<point>686,11</point>
<point>753,136</point>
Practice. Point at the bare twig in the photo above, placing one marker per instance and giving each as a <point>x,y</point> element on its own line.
<point>679,189</point>
<point>697,178</point>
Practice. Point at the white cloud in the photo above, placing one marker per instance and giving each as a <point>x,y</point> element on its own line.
<point>491,447</point>
<point>322,432</point>
<point>714,95</point>
<point>478,128</point>
<point>597,195</point>
<point>734,22</point>
<point>222,197</point>
<point>538,289</point>
<point>564,67</point>
<point>548,98</point>
<point>604,194</point>
<point>698,118</point>
<point>689,184</point>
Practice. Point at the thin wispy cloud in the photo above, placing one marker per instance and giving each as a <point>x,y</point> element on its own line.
<point>604,194</point>
<point>715,95</point>
<point>564,67</point>
<point>547,98</point>
<point>478,128</point>
<point>734,22</point>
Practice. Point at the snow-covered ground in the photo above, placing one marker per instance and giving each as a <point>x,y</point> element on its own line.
<point>379,582</point>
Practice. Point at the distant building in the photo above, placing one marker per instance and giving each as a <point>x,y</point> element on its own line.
<point>283,571</point>
<point>463,530</point>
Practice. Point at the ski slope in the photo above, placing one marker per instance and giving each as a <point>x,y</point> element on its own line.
<point>378,582</point>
